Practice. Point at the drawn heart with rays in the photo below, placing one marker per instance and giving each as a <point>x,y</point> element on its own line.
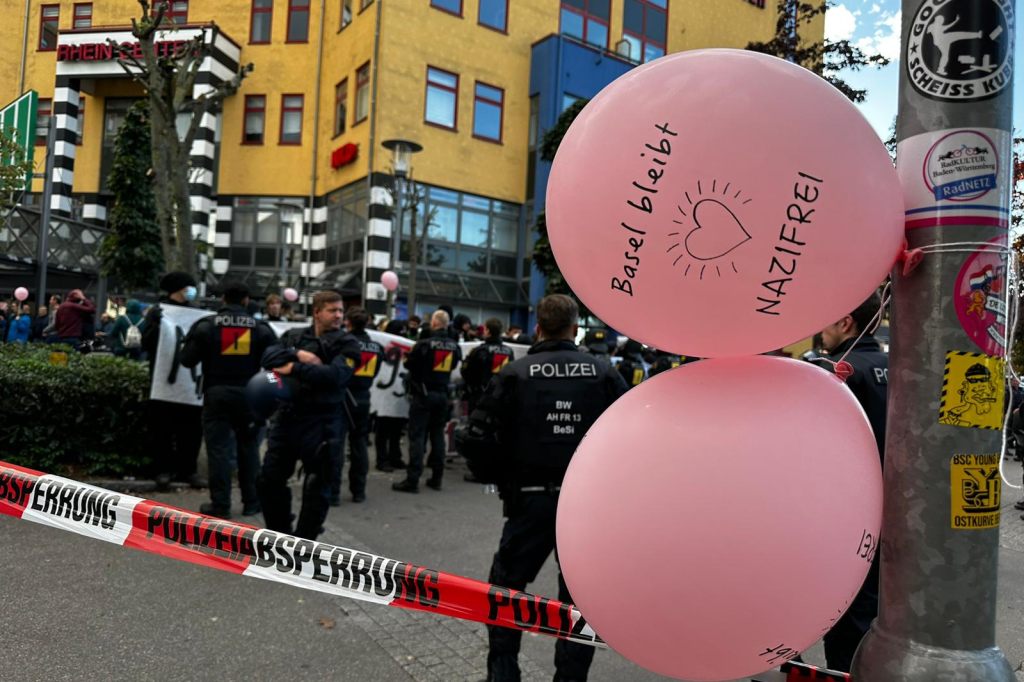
<point>718,231</point>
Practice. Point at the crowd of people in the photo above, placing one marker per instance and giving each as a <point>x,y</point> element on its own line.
<point>306,395</point>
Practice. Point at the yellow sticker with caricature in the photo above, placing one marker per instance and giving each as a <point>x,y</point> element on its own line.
<point>973,391</point>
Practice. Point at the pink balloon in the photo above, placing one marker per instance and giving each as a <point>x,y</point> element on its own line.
<point>722,202</point>
<point>390,280</point>
<point>21,293</point>
<point>719,517</point>
<point>290,294</point>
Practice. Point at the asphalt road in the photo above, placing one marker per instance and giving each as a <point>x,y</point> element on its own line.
<point>75,608</point>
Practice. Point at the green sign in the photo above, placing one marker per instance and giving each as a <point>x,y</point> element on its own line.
<point>18,122</point>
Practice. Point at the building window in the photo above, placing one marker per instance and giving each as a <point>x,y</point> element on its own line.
<point>260,21</point>
<point>262,242</point>
<point>494,14</point>
<point>43,112</point>
<point>291,119</point>
<point>757,3</point>
<point>644,26</point>
<point>81,120</point>
<point>363,4</point>
<point>442,98</point>
<point>488,111</point>
<point>362,92</point>
<point>347,211</point>
<point>450,6</point>
<point>346,13</point>
<point>255,119</point>
<point>340,106</point>
<point>82,15</point>
<point>586,20</point>
<point>298,21</point>
<point>177,11</point>
<point>49,18</point>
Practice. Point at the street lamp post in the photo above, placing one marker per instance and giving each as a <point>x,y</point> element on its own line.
<point>401,163</point>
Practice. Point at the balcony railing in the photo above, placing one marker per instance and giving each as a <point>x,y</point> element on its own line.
<point>72,245</point>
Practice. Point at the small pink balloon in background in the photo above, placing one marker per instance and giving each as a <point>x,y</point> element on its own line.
<point>21,293</point>
<point>743,206</point>
<point>389,280</point>
<point>719,517</point>
<point>290,294</point>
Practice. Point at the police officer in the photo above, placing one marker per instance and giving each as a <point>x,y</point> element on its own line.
<point>430,364</point>
<point>664,361</point>
<point>631,366</point>
<point>869,383</point>
<point>229,345</point>
<point>321,360</point>
<point>522,436</point>
<point>485,361</point>
<point>357,409</point>
<point>598,342</point>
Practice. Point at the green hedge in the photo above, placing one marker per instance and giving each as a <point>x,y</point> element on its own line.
<point>84,418</point>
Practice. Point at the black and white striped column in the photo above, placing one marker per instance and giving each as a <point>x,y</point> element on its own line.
<point>66,99</point>
<point>222,235</point>
<point>202,160</point>
<point>379,230</point>
<point>94,209</point>
<point>316,243</point>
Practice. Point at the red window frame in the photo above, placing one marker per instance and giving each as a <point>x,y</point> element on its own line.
<point>43,21</point>
<point>588,16</point>
<point>285,110</point>
<point>269,11</point>
<point>44,108</point>
<point>295,6</point>
<point>644,40</point>
<point>251,108</point>
<point>503,29</point>
<point>501,108</point>
<point>448,11</point>
<point>340,96</point>
<point>447,88</point>
<point>82,11</point>
<point>175,16</point>
<point>362,81</point>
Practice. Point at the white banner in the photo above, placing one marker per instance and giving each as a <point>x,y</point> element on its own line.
<point>173,383</point>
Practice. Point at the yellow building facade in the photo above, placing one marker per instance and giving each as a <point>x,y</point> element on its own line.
<point>299,189</point>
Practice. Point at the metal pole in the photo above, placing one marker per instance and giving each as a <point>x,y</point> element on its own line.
<point>43,246</point>
<point>940,532</point>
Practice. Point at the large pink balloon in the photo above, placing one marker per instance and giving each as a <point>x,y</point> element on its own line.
<point>722,202</point>
<point>21,293</point>
<point>719,517</point>
<point>389,280</point>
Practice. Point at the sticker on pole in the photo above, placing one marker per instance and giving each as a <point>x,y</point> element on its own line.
<point>973,391</point>
<point>979,297</point>
<point>961,50</point>
<point>974,492</point>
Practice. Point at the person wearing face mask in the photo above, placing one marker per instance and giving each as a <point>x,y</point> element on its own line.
<point>176,429</point>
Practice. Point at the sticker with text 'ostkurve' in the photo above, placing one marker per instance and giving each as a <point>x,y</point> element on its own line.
<point>974,492</point>
<point>973,391</point>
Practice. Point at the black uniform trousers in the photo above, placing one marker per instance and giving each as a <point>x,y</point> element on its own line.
<point>427,417</point>
<point>307,437</point>
<point>388,439</point>
<point>842,640</point>
<point>231,437</point>
<point>527,540</point>
<point>358,446</point>
<point>177,433</point>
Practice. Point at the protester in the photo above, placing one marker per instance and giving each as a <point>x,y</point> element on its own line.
<point>176,428</point>
<point>39,324</point>
<point>412,327</point>
<point>273,309</point>
<point>19,328</point>
<point>389,429</point>
<point>119,343</point>
<point>73,317</point>
<point>512,441</point>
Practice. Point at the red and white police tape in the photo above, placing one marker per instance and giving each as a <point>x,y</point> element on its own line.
<point>259,553</point>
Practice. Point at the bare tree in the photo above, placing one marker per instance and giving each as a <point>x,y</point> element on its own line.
<point>169,79</point>
<point>412,198</point>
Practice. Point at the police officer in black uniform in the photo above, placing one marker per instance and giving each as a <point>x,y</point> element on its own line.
<point>631,365</point>
<point>357,409</point>
<point>598,342</point>
<point>430,364</point>
<point>521,437</point>
<point>869,383</point>
<point>229,345</point>
<point>321,360</point>
<point>485,361</point>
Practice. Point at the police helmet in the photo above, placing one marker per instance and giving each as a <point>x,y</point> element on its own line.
<point>266,391</point>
